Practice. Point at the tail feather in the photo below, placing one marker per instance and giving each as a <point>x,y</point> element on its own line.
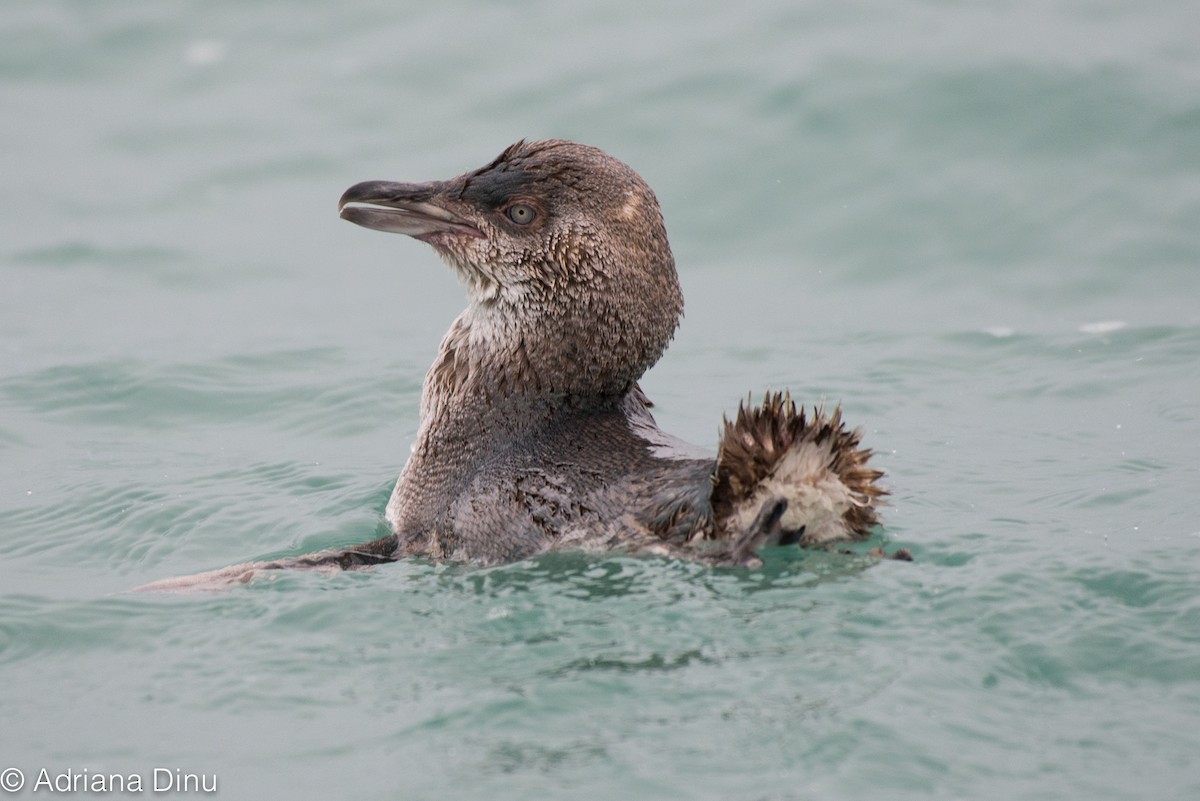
<point>774,451</point>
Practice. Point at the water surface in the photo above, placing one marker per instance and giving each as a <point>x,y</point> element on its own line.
<point>973,225</point>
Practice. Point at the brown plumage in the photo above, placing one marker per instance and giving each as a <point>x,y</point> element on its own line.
<point>534,434</point>
<point>761,437</point>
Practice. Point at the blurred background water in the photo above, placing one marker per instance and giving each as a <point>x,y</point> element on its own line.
<point>974,224</point>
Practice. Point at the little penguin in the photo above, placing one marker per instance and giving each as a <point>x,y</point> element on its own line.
<point>534,434</point>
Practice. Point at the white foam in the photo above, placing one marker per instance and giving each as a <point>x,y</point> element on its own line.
<point>204,53</point>
<point>1103,327</point>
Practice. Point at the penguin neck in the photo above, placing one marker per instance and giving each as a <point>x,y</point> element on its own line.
<point>490,386</point>
<point>506,362</point>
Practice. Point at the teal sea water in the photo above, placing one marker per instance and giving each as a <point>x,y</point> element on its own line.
<point>976,225</point>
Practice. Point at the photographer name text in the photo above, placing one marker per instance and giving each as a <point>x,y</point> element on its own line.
<point>157,780</point>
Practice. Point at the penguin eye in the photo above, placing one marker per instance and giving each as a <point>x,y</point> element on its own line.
<point>521,213</point>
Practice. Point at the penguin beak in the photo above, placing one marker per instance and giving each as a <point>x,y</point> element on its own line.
<point>403,209</point>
